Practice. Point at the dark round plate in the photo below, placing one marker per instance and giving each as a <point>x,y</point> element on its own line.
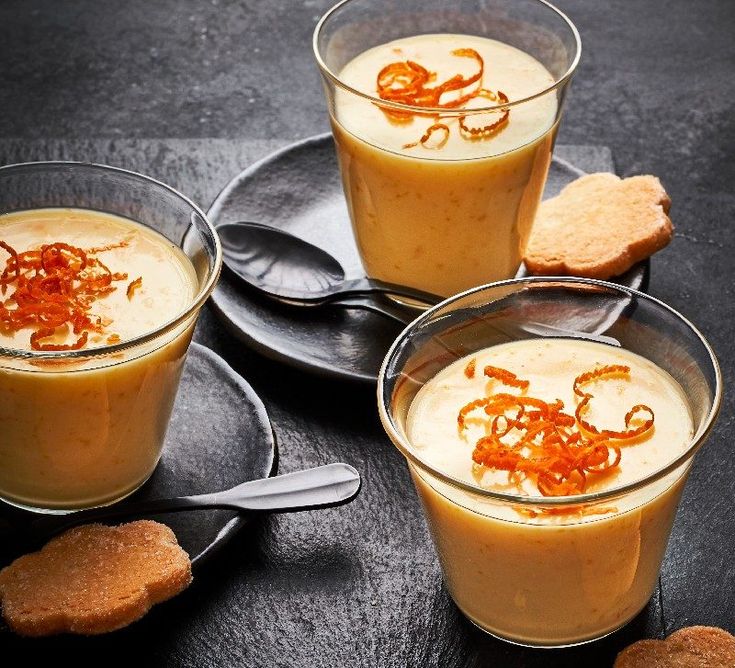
<point>298,189</point>
<point>219,436</point>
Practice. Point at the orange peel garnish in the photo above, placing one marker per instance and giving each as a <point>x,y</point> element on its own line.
<point>55,286</point>
<point>427,135</point>
<point>490,130</point>
<point>557,450</point>
<point>133,286</point>
<point>405,82</point>
<point>505,377</point>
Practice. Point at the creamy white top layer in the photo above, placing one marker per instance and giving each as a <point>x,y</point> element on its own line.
<point>169,282</point>
<point>551,365</point>
<point>510,70</point>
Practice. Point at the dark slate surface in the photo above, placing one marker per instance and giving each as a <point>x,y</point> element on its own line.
<point>360,585</point>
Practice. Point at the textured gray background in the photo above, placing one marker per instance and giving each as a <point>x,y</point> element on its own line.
<point>360,586</point>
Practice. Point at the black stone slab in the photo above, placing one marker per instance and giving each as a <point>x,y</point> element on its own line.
<point>655,84</point>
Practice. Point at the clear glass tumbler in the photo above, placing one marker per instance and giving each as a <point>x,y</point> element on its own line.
<point>442,198</point>
<point>83,428</point>
<point>550,571</point>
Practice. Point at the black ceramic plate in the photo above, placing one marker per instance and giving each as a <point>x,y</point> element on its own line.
<point>298,189</point>
<point>219,436</point>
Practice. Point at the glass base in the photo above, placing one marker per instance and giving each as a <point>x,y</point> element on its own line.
<point>66,511</point>
<point>562,645</point>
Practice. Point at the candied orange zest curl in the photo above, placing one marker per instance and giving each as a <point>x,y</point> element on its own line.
<point>599,372</point>
<point>405,82</point>
<point>531,438</point>
<point>596,374</point>
<point>491,129</point>
<point>505,377</point>
<point>11,266</point>
<point>427,135</point>
<point>44,332</point>
<point>62,256</point>
<point>54,286</point>
<point>133,286</point>
<point>496,404</point>
<point>468,408</point>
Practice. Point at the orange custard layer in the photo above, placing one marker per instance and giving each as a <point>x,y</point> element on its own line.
<point>449,218</point>
<point>562,577</point>
<point>83,432</point>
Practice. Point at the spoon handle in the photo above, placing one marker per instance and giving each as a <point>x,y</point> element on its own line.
<point>362,285</point>
<point>321,487</point>
<point>382,305</point>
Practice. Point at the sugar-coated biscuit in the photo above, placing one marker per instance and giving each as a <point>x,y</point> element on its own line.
<point>599,226</point>
<point>690,647</point>
<point>93,579</point>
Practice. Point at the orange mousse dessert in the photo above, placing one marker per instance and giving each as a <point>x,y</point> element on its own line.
<point>542,419</point>
<point>443,200</point>
<point>76,430</point>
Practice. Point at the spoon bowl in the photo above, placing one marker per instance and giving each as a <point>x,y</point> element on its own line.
<point>291,269</point>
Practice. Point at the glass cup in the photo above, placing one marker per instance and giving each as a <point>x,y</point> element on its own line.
<point>84,428</point>
<point>589,565</point>
<point>445,217</point>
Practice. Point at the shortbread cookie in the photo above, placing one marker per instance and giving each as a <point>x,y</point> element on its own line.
<point>599,226</point>
<point>93,579</point>
<point>690,647</point>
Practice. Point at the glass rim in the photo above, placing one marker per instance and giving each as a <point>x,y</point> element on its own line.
<point>142,339</point>
<point>696,441</point>
<point>443,111</point>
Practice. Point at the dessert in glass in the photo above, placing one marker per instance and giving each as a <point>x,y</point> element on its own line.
<point>102,275</point>
<point>549,426</point>
<point>444,121</point>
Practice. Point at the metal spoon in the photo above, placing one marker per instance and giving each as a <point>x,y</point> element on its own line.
<point>294,271</point>
<point>291,269</point>
<point>321,487</point>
